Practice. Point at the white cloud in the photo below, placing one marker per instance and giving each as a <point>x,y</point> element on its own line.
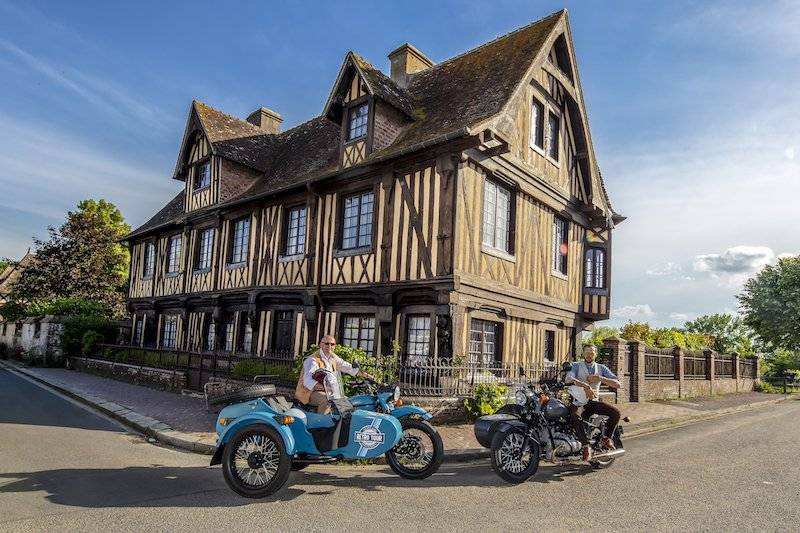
<point>679,317</point>
<point>789,153</point>
<point>633,312</point>
<point>671,270</point>
<point>736,260</point>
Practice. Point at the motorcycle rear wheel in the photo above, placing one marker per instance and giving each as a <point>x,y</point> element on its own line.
<point>509,460</point>
<point>415,459</point>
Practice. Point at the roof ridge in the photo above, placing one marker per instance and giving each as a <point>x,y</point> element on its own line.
<point>484,45</point>
<point>214,109</point>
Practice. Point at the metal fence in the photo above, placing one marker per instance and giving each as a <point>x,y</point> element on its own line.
<point>434,377</point>
<point>694,367</point>
<point>723,366</point>
<point>659,364</point>
<point>747,368</point>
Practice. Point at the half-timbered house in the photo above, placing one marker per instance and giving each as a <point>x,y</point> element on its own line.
<point>456,208</point>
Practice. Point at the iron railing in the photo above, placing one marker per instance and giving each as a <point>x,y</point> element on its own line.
<point>659,365</point>
<point>723,366</point>
<point>694,367</point>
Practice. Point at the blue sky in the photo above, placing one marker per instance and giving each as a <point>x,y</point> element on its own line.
<point>693,107</point>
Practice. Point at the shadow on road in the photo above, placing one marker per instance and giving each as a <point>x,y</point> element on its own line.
<point>158,485</point>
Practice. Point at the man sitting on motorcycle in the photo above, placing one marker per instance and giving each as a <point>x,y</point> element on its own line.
<point>589,375</point>
<point>310,390</point>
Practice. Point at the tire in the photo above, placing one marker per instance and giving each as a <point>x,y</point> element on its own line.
<point>505,465</point>
<point>243,394</point>
<point>409,449</point>
<point>239,477</point>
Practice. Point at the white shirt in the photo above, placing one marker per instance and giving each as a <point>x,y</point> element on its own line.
<point>310,366</point>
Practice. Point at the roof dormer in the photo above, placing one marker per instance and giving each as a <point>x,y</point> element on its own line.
<point>370,108</point>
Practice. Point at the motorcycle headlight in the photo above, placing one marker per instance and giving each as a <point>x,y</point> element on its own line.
<point>520,398</point>
<point>396,393</point>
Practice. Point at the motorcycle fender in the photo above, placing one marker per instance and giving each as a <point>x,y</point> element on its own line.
<point>255,418</point>
<point>486,425</point>
<point>411,411</point>
<point>501,426</point>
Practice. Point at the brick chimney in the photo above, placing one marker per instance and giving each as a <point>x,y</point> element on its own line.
<point>407,60</point>
<point>266,119</point>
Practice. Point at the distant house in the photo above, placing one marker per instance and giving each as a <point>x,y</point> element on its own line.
<point>457,208</point>
<point>11,274</point>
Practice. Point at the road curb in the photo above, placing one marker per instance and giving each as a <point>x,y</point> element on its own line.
<point>165,434</point>
<point>138,422</point>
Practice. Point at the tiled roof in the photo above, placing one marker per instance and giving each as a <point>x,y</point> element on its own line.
<point>442,100</point>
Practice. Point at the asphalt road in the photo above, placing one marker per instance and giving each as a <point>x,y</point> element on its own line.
<point>65,468</point>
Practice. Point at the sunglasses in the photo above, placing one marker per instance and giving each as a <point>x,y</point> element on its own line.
<point>328,343</point>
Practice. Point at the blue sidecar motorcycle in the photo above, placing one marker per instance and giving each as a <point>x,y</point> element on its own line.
<point>262,436</point>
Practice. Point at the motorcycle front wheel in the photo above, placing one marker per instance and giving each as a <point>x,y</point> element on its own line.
<point>255,463</point>
<point>420,451</point>
<point>509,460</point>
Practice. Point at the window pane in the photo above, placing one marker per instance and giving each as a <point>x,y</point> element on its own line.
<point>496,217</point>
<point>358,122</point>
<point>552,148</point>
<point>240,240</point>
<point>203,176</point>
<point>205,241</point>
<point>296,231</point>
<point>149,259</point>
<point>418,344</point>
<point>537,124</point>
<point>174,254</point>
<point>357,220</point>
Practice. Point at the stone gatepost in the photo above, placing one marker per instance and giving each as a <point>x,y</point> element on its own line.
<point>616,349</point>
<point>677,353</point>
<point>757,365</point>
<point>709,368</point>
<point>636,351</point>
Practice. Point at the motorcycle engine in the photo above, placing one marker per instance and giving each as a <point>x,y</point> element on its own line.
<point>565,445</point>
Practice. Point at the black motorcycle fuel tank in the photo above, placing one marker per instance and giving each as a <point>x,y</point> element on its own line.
<point>555,409</point>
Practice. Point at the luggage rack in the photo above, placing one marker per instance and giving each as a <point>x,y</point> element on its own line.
<point>218,386</point>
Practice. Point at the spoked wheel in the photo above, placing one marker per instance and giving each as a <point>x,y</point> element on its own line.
<point>255,463</point>
<point>420,451</point>
<point>509,460</point>
<point>605,463</point>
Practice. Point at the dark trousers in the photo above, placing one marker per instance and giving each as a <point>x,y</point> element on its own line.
<point>593,408</point>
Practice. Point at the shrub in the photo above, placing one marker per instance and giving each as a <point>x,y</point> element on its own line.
<point>89,342</point>
<point>249,368</point>
<point>76,327</point>
<point>763,386</point>
<point>68,306</point>
<point>486,399</point>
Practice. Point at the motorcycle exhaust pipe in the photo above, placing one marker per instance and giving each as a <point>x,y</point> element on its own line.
<point>609,454</point>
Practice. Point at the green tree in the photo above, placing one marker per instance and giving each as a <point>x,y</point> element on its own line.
<point>725,333</point>
<point>782,363</point>
<point>636,331</point>
<point>770,304</point>
<point>4,263</point>
<point>81,259</point>
<point>599,333</point>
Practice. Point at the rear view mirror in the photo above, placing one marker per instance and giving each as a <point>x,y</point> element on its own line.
<point>566,366</point>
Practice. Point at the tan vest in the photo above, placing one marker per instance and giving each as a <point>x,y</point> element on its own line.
<point>301,392</point>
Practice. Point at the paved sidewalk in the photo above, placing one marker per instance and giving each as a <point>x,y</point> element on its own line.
<point>182,420</point>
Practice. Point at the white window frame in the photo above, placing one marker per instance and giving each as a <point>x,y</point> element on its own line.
<point>494,235</point>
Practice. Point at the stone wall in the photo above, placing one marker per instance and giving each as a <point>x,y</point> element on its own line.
<point>156,378</point>
<point>39,338</point>
<point>627,360</point>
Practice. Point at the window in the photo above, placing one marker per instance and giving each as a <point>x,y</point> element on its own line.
<point>295,231</point>
<point>595,268</point>
<point>358,331</point>
<point>418,338</point>
<point>210,340</point>
<point>137,332</point>
<point>560,246</point>
<point>205,241</point>
<point>246,342</point>
<point>174,254</point>
<point>549,345</point>
<point>240,240</point>
<point>357,223</point>
<point>149,259</point>
<point>358,122</point>
<point>484,339</point>
<point>202,178</point>
<point>169,332</point>
<point>497,222</point>
<point>552,148</point>
<point>229,338</point>
<point>537,124</point>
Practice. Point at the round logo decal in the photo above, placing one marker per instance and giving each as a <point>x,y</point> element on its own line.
<point>369,437</point>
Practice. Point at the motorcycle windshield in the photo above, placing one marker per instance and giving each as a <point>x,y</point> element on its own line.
<point>333,386</point>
